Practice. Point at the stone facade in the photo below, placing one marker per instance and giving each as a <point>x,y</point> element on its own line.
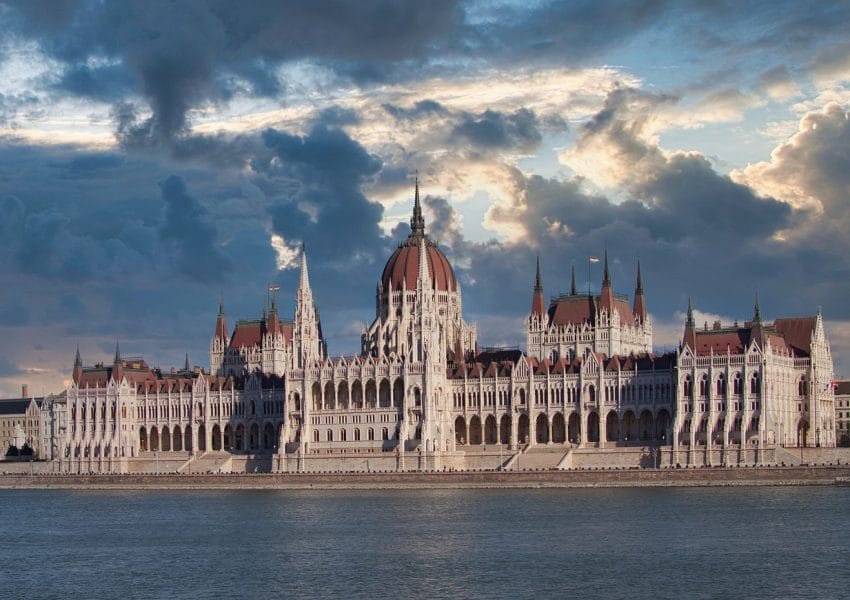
<point>421,394</point>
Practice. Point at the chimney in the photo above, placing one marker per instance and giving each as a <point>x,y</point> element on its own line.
<point>25,390</point>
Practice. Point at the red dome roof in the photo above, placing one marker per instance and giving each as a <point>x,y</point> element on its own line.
<point>403,267</point>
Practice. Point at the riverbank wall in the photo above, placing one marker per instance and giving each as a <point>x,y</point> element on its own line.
<point>587,478</point>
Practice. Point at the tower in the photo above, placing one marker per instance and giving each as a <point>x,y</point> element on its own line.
<point>219,343</point>
<point>307,342</point>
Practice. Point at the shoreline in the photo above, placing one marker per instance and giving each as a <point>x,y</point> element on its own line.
<point>643,478</point>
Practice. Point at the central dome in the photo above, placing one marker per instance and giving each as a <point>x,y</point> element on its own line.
<point>402,268</point>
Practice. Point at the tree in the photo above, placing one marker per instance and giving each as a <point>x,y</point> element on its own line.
<point>26,450</point>
<point>12,451</point>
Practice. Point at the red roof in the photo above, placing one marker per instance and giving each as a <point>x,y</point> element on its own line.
<point>785,336</point>
<point>797,333</point>
<point>579,309</point>
<point>403,267</point>
<point>250,333</point>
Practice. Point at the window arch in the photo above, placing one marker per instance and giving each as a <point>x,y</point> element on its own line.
<point>687,387</point>
<point>721,385</point>
<point>801,386</point>
<point>737,384</point>
<point>755,384</point>
<point>703,386</point>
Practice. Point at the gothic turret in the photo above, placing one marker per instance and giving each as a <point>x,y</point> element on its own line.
<point>690,337</point>
<point>78,366</point>
<point>537,307</point>
<point>639,303</point>
<point>606,299</point>
<point>117,365</point>
<point>308,345</point>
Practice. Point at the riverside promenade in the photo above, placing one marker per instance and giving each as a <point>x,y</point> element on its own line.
<point>584,478</point>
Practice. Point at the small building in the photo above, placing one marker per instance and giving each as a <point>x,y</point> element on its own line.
<point>21,423</point>
<point>842,412</point>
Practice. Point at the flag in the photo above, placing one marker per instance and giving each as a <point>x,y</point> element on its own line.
<point>594,259</point>
<point>273,287</point>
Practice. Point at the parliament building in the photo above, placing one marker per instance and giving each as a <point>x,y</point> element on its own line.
<point>421,395</point>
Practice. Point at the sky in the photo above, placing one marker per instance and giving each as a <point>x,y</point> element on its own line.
<point>158,156</point>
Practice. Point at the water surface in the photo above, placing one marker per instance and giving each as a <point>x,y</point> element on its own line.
<point>791,542</point>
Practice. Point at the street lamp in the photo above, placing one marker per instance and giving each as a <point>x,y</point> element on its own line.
<point>817,437</point>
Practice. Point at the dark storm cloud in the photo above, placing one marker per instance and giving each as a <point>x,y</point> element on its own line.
<point>494,130</point>
<point>177,55</point>
<point>186,225</point>
<point>320,175</point>
<point>419,109</point>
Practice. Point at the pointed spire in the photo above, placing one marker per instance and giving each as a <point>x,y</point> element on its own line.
<point>690,337</point>
<point>757,310</point>
<point>117,358</point>
<point>639,309</point>
<point>186,364</point>
<point>573,289</point>
<point>417,223</point>
<point>537,296</point>
<point>606,278</point>
<point>639,285</point>
<point>538,282</point>
<point>304,280</point>
<point>221,304</point>
<point>78,361</point>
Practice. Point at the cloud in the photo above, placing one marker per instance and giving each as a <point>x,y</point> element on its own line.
<point>186,226</point>
<point>492,130</point>
<point>811,170</point>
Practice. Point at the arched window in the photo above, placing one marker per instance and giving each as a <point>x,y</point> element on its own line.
<point>356,434</point>
<point>385,434</point>
<point>755,384</point>
<point>330,435</point>
<point>371,434</point>
<point>721,385</point>
<point>703,386</point>
<point>687,387</point>
<point>801,386</point>
<point>737,385</point>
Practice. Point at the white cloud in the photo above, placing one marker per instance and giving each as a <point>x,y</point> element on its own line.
<point>285,255</point>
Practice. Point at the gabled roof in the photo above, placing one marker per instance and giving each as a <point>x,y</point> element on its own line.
<point>17,406</point>
<point>582,308</point>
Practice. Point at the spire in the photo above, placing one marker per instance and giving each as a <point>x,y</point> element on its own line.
<point>606,298</point>
<point>537,296</point>
<point>757,310</point>
<point>77,373</point>
<point>690,337</point>
<point>186,364</point>
<point>538,283</point>
<point>573,290</point>
<point>304,281</point>
<point>117,358</point>
<point>220,321</point>
<point>639,285</point>
<point>606,278</point>
<point>417,223</point>
<point>639,303</point>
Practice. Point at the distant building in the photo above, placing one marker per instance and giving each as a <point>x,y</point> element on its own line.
<point>423,394</point>
<point>842,412</point>
<point>21,423</point>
